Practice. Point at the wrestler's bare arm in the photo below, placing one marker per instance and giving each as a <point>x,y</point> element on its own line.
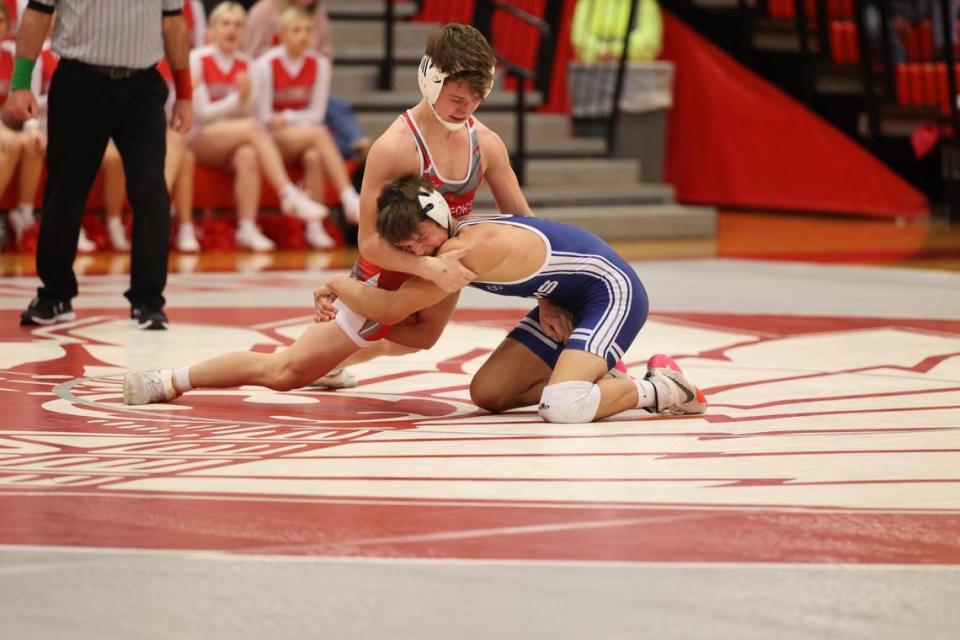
<point>477,249</point>
<point>423,329</point>
<point>499,174</point>
<point>390,157</point>
<point>390,307</point>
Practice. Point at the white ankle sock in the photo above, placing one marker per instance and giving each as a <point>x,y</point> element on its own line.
<point>26,208</point>
<point>114,222</point>
<point>288,190</point>
<point>181,379</point>
<point>247,224</point>
<point>646,394</point>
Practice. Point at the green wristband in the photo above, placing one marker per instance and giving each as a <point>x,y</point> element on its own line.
<point>22,72</point>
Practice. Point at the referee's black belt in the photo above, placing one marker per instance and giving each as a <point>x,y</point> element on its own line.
<point>114,73</point>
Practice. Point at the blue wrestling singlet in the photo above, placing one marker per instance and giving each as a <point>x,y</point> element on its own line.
<point>584,275</point>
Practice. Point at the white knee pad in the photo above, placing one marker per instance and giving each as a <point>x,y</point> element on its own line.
<point>570,402</point>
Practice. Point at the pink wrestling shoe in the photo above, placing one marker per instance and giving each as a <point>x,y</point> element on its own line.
<point>675,394</point>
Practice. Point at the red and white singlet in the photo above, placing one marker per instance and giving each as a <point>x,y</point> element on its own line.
<point>459,194</point>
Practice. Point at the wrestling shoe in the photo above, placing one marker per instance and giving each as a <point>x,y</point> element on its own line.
<point>336,379</point>
<point>619,371</point>
<point>295,202</point>
<point>47,311</point>
<point>675,394</point>
<point>144,387</point>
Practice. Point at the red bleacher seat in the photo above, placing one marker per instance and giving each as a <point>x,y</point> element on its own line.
<point>924,85</point>
<point>213,189</point>
<point>844,47</point>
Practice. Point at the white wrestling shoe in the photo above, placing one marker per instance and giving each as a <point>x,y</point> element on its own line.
<point>317,236</point>
<point>144,387</point>
<point>250,237</point>
<point>296,202</point>
<point>675,394</point>
<point>336,379</point>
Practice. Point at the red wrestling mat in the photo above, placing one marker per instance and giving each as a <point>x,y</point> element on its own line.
<point>827,440</point>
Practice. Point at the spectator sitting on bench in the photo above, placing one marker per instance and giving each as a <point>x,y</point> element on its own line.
<point>349,135</point>
<point>21,152</point>
<point>227,136</point>
<point>293,84</point>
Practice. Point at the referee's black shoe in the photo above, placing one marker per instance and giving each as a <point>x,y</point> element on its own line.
<point>149,318</point>
<point>46,311</point>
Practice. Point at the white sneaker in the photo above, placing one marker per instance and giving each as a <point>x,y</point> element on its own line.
<point>250,237</point>
<point>296,202</point>
<point>187,239</point>
<point>675,394</point>
<point>317,236</point>
<point>336,379</point>
<point>85,244</point>
<point>118,235</point>
<point>19,222</point>
<point>144,387</point>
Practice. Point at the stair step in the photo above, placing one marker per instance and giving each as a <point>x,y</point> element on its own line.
<point>367,9</point>
<point>399,99</point>
<point>585,194</point>
<point>843,80</point>
<point>363,39</point>
<point>564,171</point>
<point>781,35</point>
<point>363,76</point>
<point>546,133</point>
<point>636,222</point>
<point>900,122</point>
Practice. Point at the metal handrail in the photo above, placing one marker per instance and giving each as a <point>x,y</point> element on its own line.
<point>484,11</point>
<point>621,76</point>
<point>385,81</point>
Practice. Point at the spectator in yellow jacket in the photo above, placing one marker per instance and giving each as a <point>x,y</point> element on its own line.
<point>599,27</point>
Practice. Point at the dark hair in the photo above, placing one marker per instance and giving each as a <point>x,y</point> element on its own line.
<point>462,51</point>
<point>398,208</point>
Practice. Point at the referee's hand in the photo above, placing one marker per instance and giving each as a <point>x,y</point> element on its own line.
<point>182,117</point>
<point>20,107</point>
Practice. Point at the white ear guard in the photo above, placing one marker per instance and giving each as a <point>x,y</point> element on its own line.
<point>431,78</point>
<point>434,206</point>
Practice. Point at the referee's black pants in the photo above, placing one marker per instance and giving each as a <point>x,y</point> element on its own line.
<point>85,109</point>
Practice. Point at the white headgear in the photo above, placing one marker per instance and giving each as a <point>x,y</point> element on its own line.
<point>434,206</point>
<point>431,79</point>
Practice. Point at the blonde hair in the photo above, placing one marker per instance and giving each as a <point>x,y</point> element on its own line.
<point>290,15</point>
<point>228,6</point>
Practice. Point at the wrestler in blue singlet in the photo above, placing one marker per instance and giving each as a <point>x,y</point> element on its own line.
<point>584,275</point>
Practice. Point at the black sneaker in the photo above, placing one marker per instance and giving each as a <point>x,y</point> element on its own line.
<point>47,311</point>
<point>151,319</point>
